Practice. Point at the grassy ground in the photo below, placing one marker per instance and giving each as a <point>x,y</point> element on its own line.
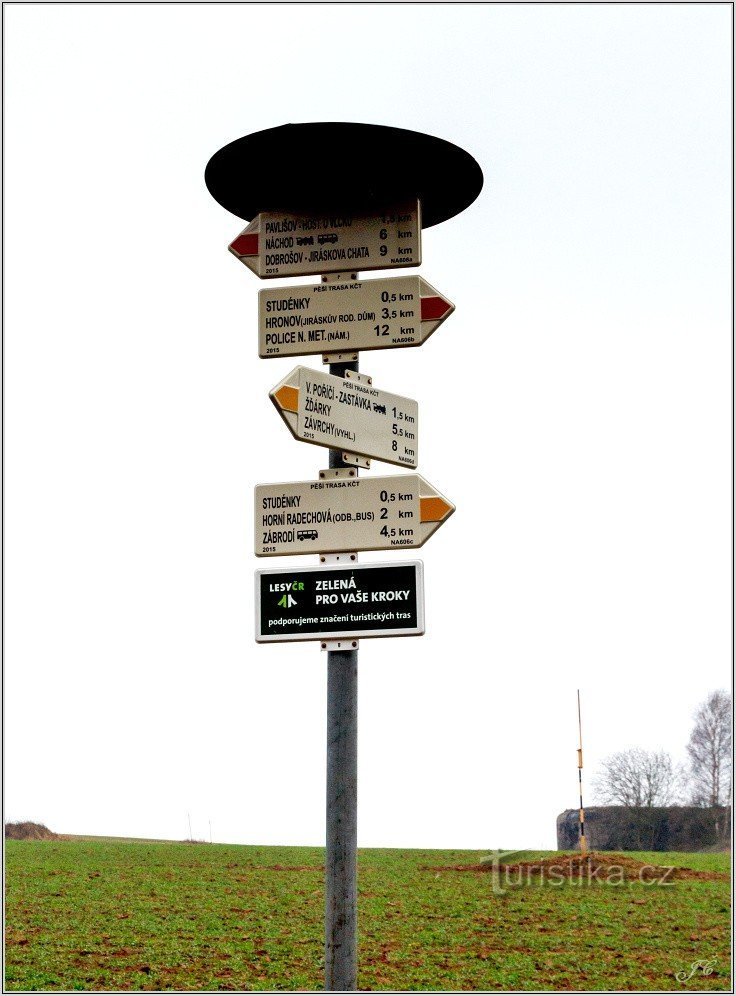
<point>103,914</point>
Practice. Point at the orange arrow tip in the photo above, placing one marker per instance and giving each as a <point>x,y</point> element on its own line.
<point>287,398</point>
<point>434,509</point>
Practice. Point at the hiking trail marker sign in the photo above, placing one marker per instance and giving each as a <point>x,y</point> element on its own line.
<point>335,514</point>
<point>279,244</point>
<point>348,316</point>
<point>322,603</point>
<point>348,413</point>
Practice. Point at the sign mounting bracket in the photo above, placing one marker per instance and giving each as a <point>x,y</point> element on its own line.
<point>340,357</point>
<point>332,472</point>
<point>338,278</point>
<point>357,459</point>
<point>343,645</point>
<point>361,378</point>
<point>335,559</point>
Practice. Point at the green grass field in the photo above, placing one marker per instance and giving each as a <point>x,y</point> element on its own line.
<point>110,914</point>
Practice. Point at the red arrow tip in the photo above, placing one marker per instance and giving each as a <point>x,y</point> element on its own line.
<point>245,245</point>
<point>434,308</point>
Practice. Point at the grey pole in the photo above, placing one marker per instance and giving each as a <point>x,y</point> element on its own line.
<point>341,869</point>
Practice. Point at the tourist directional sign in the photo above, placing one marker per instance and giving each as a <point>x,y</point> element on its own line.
<point>356,314</point>
<point>349,414</point>
<point>331,515</point>
<point>279,244</point>
<point>331,603</point>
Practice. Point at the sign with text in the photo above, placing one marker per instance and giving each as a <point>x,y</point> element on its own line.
<point>348,413</point>
<point>329,603</point>
<point>279,244</point>
<point>356,314</point>
<point>342,514</point>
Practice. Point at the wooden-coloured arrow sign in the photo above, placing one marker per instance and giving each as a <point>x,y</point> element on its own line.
<point>342,513</point>
<point>349,316</point>
<point>349,414</point>
<point>291,245</point>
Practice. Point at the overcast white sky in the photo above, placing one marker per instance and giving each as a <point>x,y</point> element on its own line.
<point>576,408</point>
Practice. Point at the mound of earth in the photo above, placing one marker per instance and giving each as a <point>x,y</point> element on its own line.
<point>29,831</point>
<point>600,866</point>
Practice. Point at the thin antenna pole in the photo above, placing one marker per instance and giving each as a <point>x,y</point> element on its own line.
<point>583,844</point>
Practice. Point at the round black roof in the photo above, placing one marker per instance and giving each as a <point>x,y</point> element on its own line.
<point>342,166</point>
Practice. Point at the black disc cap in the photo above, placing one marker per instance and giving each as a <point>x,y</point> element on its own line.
<point>342,166</point>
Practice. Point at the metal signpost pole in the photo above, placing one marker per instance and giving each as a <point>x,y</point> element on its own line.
<point>341,868</point>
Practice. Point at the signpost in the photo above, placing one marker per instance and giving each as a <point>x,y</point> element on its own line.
<point>340,603</point>
<point>342,513</point>
<point>347,316</point>
<point>329,198</point>
<point>349,413</point>
<point>280,244</point>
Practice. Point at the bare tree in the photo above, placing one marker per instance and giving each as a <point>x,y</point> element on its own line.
<point>709,750</point>
<point>638,777</point>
